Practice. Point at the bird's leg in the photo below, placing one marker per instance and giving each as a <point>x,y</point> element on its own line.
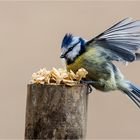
<point>90,84</point>
<point>90,88</point>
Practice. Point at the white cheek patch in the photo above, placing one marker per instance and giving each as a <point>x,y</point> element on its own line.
<point>72,54</point>
<point>74,40</point>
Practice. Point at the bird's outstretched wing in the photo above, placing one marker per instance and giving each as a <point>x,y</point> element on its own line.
<point>121,41</point>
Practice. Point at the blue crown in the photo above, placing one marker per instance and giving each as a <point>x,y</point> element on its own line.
<point>67,40</point>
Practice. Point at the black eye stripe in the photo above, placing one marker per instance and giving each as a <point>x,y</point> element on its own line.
<point>71,48</point>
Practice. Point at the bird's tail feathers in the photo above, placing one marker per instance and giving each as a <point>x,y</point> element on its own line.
<point>133,92</point>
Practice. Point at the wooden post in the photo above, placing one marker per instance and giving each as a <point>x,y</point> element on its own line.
<point>56,112</point>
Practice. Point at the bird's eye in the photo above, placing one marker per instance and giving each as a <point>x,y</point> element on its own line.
<point>70,49</point>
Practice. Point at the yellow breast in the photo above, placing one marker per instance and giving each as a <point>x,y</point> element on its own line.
<point>79,62</point>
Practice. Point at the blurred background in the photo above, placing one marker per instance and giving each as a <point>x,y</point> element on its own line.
<point>30,39</point>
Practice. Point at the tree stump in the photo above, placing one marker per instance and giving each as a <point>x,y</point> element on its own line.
<point>56,112</point>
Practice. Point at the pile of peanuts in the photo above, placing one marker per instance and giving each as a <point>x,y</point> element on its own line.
<point>58,76</point>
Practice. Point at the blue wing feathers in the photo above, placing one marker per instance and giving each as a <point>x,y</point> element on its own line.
<point>122,39</point>
<point>121,52</point>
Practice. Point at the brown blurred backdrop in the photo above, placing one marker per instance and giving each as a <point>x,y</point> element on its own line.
<point>30,38</point>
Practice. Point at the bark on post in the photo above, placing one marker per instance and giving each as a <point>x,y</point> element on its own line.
<point>56,112</point>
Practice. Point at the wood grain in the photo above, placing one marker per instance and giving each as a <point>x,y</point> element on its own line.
<point>56,112</point>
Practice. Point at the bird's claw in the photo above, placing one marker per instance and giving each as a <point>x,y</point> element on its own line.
<point>90,88</point>
<point>89,83</point>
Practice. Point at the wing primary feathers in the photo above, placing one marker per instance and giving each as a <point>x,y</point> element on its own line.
<point>121,23</point>
<point>122,39</point>
<point>122,53</point>
<point>131,27</point>
<point>133,47</point>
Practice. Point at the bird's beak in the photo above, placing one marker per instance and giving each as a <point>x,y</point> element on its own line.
<point>62,56</point>
<point>63,52</point>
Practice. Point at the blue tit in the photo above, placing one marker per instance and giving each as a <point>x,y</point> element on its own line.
<point>120,42</point>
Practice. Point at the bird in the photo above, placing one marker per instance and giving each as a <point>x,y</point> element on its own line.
<point>120,42</point>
